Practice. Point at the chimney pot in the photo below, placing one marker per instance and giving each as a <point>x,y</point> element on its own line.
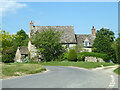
<point>31,22</point>
<point>93,31</point>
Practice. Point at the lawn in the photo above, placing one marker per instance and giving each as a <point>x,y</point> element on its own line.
<point>117,70</point>
<point>14,69</point>
<point>87,65</point>
<point>21,69</point>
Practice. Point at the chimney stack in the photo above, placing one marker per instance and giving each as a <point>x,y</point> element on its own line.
<point>31,22</point>
<point>30,27</point>
<point>93,31</point>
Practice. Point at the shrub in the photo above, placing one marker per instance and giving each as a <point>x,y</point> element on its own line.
<point>72,55</point>
<point>8,55</point>
<point>81,56</point>
<point>117,70</point>
<point>26,60</point>
<point>65,55</point>
<point>60,58</point>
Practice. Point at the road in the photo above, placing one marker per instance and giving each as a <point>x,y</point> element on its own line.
<point>65,77</point>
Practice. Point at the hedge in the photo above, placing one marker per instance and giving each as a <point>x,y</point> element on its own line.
<point>82,55</point>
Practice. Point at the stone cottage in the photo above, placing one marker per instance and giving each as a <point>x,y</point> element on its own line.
<point>68,37</point>
<point>21,53</point>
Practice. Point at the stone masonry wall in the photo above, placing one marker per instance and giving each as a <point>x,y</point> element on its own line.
<point>93,59</point>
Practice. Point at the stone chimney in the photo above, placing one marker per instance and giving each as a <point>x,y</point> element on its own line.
<point>31,24</point>
<point>93,31</point>
<point>31,27</point>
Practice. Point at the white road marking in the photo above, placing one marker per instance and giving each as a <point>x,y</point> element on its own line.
<point>112,83</point>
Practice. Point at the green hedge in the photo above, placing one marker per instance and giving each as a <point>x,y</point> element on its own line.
<point>82,55</point>
<point>72,55</point>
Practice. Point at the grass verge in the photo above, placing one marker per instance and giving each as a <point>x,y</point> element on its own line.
<point>9,70</point>
<point>117,70</point>
<point>87,65</point>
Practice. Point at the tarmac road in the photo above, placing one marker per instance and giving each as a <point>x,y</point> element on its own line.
<point>65,77</point>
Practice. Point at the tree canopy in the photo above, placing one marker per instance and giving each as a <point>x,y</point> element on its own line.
<point>21,39</point>
<point>118,48</point>
<point>7,49</point>
<point>106,32</point>
<point>48,43</point>
<point>103,41</point>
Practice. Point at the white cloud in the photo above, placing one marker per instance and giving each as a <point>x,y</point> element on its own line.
<point>10,6</point>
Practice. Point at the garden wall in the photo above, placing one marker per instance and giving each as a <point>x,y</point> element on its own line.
<point>93,59</point>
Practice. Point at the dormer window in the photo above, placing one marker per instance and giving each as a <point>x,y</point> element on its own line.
<point>86,42</point>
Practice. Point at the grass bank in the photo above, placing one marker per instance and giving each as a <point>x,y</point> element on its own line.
<point>9,70</point>
<point>117,71</point>
<point>87,65</point>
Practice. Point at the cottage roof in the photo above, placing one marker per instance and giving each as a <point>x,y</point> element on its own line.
<point>23,50</point>
<point>81,38</point>
<point>68,35</point>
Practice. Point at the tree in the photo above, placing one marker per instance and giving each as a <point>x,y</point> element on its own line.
<point>103,41</point>
<point>118,49</point>
<point>0,46</point>
<point>48,43</point>
<point>109,34</point>
<point>21,39</point>
<point>7,50</point>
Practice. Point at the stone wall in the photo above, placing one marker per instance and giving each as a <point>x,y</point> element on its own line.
<point>93,59</point>
<point>18,56</point>
<point>32,49</point>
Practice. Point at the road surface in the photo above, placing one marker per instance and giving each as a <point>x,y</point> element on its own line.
<point>65,77</point>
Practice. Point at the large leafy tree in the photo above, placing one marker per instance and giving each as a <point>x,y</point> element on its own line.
<point>118,49</point>
<point>103,41</point>
<point>7,48</point>
<point>106,32</point>
<point>48,43</point>
<point>21,39</point>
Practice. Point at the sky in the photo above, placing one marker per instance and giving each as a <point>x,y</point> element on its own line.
<point>82,15</point>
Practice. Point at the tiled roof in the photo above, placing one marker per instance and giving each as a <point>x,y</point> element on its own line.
<point>68,35</point>
<point>23,50</point>
<point>81,38</point>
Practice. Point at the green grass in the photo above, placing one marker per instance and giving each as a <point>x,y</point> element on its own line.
<point>87,65</point>
<point>15,69</point>
<point>117,70</point>
<point>20,69</point>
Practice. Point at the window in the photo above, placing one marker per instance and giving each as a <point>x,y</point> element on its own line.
<point>67,45</point>
<point>86,43</point>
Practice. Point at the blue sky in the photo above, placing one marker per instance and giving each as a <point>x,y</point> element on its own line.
<point>82,15</point>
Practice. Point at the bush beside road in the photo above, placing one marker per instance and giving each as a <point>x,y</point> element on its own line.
<point>117,70</point>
